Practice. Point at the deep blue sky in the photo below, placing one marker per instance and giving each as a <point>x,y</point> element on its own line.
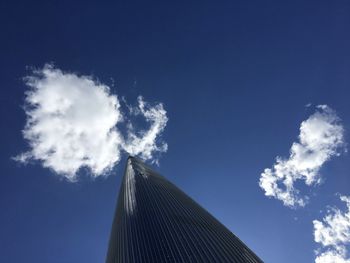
<point>234,77</point>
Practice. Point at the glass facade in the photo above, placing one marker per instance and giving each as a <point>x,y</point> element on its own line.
<point>156,222</point>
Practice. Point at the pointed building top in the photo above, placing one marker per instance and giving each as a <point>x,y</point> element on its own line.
<point>156,222</point>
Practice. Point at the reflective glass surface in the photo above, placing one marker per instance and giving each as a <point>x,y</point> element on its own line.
<point>156,222</point>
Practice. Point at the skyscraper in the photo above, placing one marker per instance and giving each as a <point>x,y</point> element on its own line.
<point>156,222</point>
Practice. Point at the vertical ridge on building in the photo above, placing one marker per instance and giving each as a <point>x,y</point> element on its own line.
<point>156,222</point>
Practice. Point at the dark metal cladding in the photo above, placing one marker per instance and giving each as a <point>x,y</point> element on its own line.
<point>156,222</point>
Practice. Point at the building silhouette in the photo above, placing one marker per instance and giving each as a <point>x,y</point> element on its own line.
<point>156,222</point>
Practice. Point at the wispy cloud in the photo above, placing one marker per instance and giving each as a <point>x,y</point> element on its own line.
<point>333,233</point>
<point>320,138</point>
<point>142,143</point>
<point>72,122</point>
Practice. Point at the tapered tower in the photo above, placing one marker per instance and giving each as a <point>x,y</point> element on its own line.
<point>156,222</point>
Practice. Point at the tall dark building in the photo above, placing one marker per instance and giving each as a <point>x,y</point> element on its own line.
<point>156,222</point>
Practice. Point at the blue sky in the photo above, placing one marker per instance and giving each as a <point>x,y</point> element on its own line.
<point>234,79</point>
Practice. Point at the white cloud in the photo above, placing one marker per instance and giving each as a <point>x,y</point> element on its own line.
<point>332,256</point>
<point>72,123</point>
<point>320,138</point>
<point>333,232</point>
<point>143,144</point>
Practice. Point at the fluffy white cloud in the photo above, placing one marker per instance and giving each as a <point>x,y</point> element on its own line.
<point>333,232</point>
<point>320,138</point>
<point>72,123</point>
<point>332,256</point>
